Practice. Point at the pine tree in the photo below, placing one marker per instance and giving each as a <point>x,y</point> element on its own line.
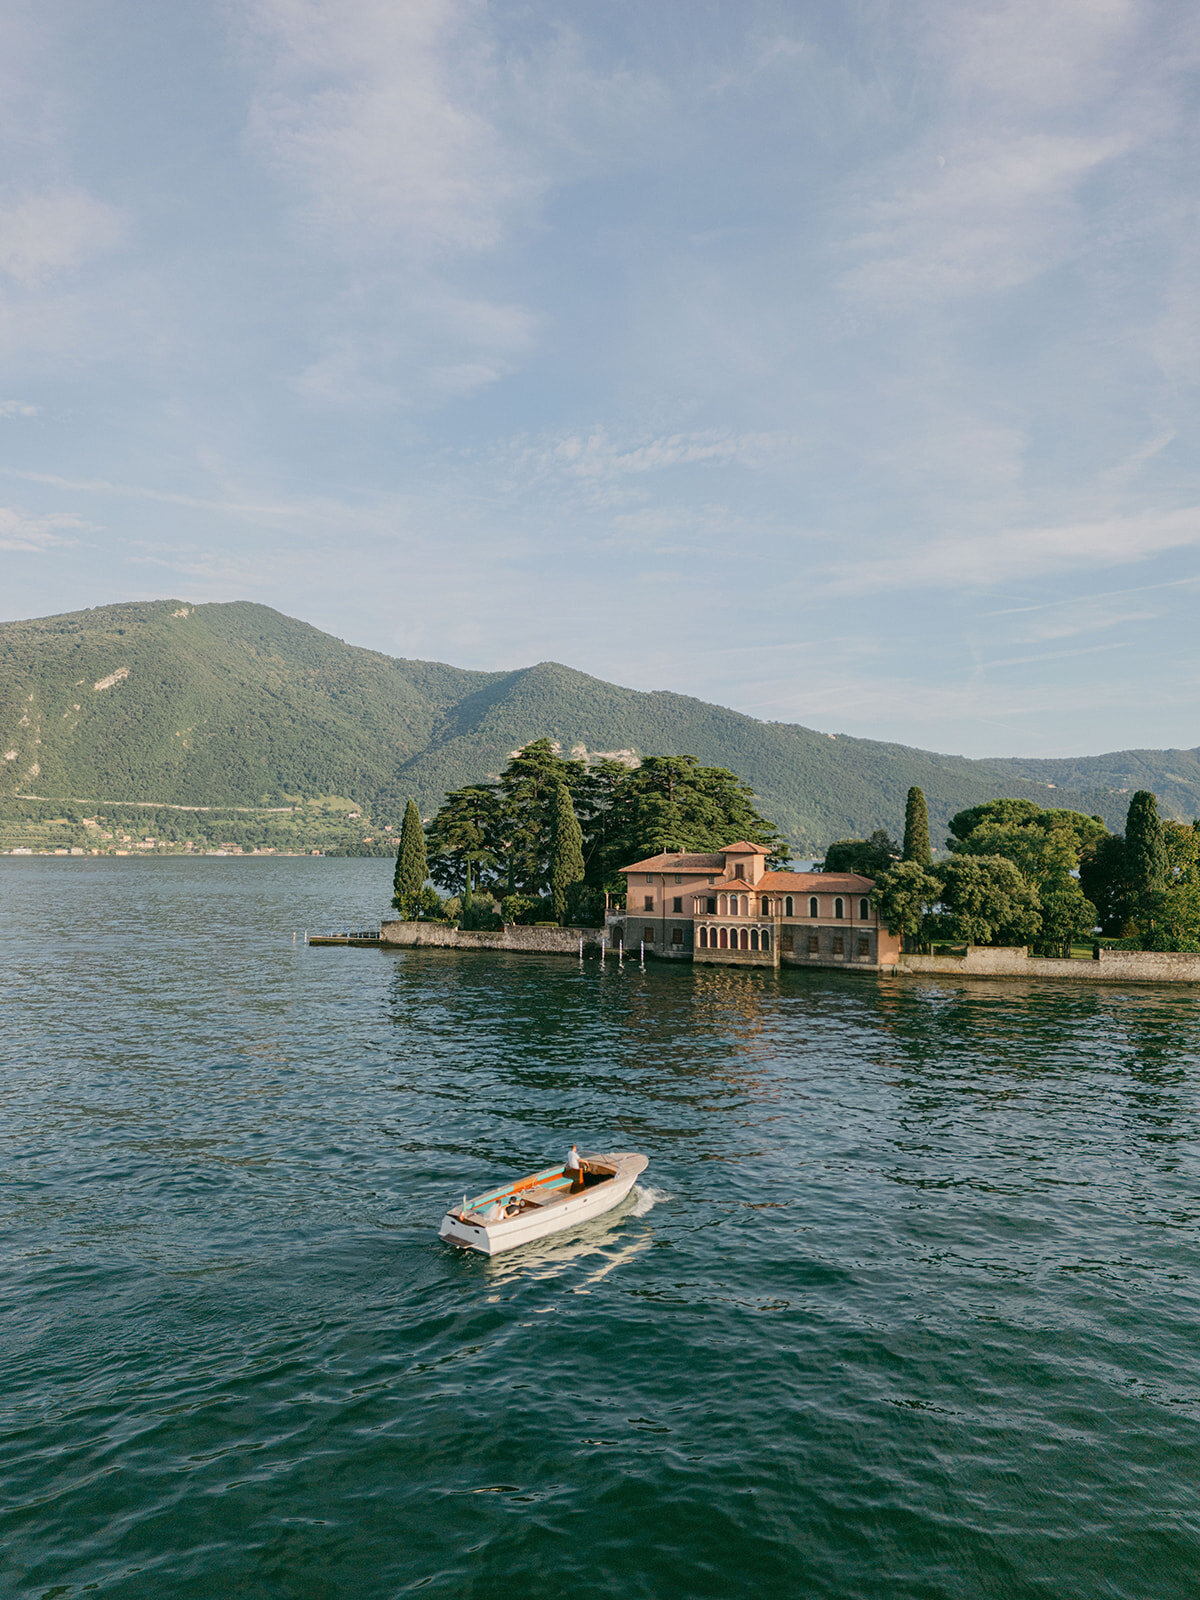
<point>566,862</point>
<point>411,866</point>
<point>916,829</point>
<point>1145,860</point>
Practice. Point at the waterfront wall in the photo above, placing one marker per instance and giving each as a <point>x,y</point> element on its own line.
<point>980,961</point>
<point>440,935</point>
<point>1114,966</point>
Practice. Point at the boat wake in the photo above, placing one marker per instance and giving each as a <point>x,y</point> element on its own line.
<point>645,1200</point>
<point>548,1258</point>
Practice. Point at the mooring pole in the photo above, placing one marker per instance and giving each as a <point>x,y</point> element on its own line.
<point>643,955</point>
<point>602,949</point>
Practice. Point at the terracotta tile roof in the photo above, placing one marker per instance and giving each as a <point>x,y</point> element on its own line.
<point>674,861</point>
<point>816,882</point>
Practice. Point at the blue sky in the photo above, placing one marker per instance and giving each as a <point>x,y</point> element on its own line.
<point>837,362</point>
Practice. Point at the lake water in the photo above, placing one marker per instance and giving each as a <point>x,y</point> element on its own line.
<point>908,1306</point>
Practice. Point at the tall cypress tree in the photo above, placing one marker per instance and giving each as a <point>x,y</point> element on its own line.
<point>916,829</point>
<point>411,866</point>
<point>566,861</point>
<point>1145,857</point>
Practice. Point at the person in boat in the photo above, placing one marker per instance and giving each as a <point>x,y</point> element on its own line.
<point>574,1169</point>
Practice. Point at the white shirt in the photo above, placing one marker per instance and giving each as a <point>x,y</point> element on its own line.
<point>573,1162</point>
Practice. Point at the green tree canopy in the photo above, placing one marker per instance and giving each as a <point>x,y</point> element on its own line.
<point>503,835</point>
<point>527,790</point>
<point>1084,831</point>
<point>916,828</point>
<point>905,894</point>
<point>1172,913</point>
<point>1145,862</point>
<point>1016,812</point>
<point>464,838</point>
<point>1162,917</point>
<point>1103,879</point>
<point>595,800</point>
<point>673,803</point>
<point>1067,915</point>
<point>411,867</point>
<point>566,858</point>
<point>986,900</point>
<point>869,857</point>
<point>1048,846</point>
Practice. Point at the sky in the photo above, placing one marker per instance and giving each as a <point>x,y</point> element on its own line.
<point>833,361</point>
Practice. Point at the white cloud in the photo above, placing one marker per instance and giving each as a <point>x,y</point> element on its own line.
<point>21,531</point>
<point>387,126</point>
<point>134,491</point>
<point>995,213</point>
<point>1029,101</point>
<point>596,455</point>
<point>416,141</point>
<point>1133,463</point>
<point>992,664</point>
<point>1022,553</point>
<point>851,698</point>
<point>377,113</point>
<point>18,408</point>
<point>440,347</point>
<point>44,234</point>
<point>1033,55</point>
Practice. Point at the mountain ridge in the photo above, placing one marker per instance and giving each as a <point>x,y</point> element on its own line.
<point>234,703</point>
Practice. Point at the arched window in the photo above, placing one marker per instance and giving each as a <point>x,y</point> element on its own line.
<point>839,907</point>
<point>754,938</point>
<point>813,910</point>
<point>745,939</point>
<point>724,903</point>
<point>864,909</point>
<point>766,940</point>
<point>724,938</point>
<point>766,906</point>
<point>733,900</point>
<point>787,906</point>
<point>704,938</point>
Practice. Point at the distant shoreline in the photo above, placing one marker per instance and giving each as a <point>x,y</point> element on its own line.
<point>177,855</point>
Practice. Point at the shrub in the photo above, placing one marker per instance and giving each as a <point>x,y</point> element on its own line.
<point>520,908</point>
<point>480,914</point>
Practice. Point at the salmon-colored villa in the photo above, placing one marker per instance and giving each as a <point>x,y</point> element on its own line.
<point>726,907</point>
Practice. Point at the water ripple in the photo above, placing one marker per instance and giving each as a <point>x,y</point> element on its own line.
<point>906,1305</point>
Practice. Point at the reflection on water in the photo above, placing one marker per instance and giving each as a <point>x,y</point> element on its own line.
<point>905,1307</point>
<point>605,1241</point>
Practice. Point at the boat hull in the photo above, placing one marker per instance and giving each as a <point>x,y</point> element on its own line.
<point>469,1231</point>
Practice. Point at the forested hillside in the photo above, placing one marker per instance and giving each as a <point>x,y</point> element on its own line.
<point>235,704</point>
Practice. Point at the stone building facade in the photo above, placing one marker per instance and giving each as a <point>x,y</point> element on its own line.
<point>725,907</point>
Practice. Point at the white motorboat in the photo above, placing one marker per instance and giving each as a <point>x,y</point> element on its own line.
<point>545,1202</point>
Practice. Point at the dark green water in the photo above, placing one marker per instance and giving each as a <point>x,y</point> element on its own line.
<point>908,1309</point>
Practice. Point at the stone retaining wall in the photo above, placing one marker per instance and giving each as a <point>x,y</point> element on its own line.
<point>440,935</point>
<point>1114,966</point>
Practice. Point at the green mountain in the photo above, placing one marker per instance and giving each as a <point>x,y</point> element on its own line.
<point>236,705</point>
